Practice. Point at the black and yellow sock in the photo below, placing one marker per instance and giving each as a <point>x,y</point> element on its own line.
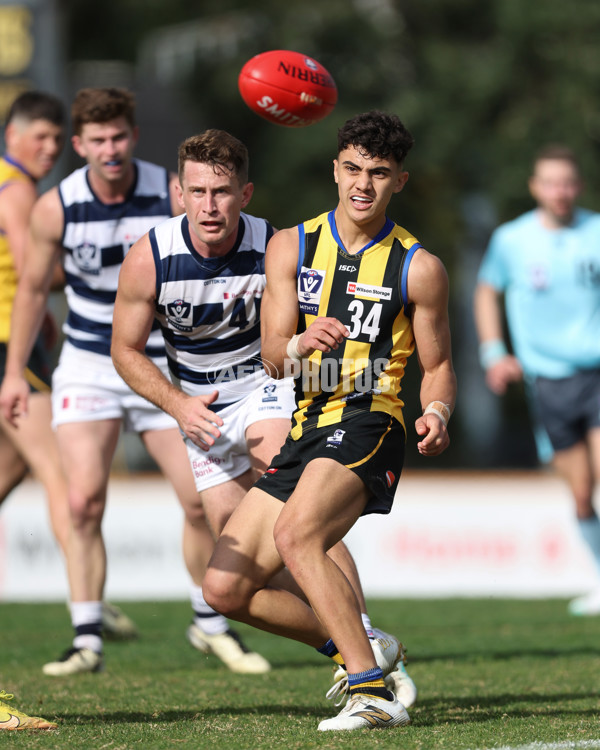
<point>330,650</point>
<point>371,683</point>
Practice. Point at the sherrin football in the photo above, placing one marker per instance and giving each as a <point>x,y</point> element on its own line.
<point>287,88</point>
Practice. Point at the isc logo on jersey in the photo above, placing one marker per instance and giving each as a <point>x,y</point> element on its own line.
<point>310,287</point>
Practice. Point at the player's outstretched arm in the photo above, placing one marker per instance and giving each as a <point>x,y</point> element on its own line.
<point>281,346</point>
<point>428,293</point>
<point>132,322</point>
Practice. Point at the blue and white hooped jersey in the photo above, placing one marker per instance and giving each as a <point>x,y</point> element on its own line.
<point>209,309</point>
<point>96,238</point>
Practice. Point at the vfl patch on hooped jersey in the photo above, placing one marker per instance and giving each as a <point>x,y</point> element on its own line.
<point>310,288</point>
<point>179,314</point>
<point>88,258</point>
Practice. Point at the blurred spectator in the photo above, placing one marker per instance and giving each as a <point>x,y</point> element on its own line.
<point>546,265</point>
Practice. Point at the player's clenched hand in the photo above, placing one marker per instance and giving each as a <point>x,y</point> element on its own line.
<point>434,433</point>
<point>323,334</point>
<point>198,422</point>
<point>14,398</point>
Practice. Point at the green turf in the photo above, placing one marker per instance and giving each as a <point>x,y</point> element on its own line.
<point>490,673</point>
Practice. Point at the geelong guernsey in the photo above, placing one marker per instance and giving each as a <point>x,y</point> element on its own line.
<point>96,238</point>
<point>10,172</point>
<point>552,283</point>
<point>367,293</point>
<point>209,309</point>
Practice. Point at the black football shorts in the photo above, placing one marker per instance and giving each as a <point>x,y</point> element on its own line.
<point>568,407</point>
<point>38,372</point>
<point>370,444</point>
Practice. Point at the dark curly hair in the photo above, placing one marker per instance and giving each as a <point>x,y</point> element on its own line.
<point>376,134</point>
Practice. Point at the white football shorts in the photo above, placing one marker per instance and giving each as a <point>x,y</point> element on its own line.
<point>87,388</point>
<point>228,457</point>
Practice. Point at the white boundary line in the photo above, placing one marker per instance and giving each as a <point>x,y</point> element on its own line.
<point>575,745</point>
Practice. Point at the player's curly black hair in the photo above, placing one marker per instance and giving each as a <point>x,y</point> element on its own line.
<point>377,134</point>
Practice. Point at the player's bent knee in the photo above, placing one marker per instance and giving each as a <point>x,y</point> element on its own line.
<point>222,594</point>
<point>85,513</point>
<point>289,543</point>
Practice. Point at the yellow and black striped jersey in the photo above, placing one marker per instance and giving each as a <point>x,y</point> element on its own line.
<point>367,293</point>
<point>10,172</point>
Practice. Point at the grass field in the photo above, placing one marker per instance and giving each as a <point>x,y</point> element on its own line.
<point>491,674</point>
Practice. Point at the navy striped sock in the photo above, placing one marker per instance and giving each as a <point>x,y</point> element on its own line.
<point>369,682</point>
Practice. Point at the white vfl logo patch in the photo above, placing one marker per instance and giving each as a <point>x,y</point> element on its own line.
<point>310,287</point>
<point>335,439</point>
<point>372,292</point>
<point>269,392</point>
<point>88,258</point>
<point>179,314</point>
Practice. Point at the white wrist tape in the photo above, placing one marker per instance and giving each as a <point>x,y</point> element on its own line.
<point>491,351</point>
<point>442,410</point>
<point>291,349</point>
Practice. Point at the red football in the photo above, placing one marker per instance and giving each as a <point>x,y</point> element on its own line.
<point>287,88</point>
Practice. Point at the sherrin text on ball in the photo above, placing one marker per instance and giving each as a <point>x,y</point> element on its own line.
<point>287,88</point>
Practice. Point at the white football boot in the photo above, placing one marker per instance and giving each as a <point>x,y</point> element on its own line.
<point>367,712</point>
<point>230,649</point>
<point>397,680</point>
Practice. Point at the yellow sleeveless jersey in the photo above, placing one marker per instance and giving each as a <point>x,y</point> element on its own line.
<point>10,172</point>
<point>367,293</point>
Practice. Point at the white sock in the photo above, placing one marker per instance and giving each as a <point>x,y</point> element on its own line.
<point>205,617</point>
<point>87,614</point>
<point>367,624</point>
<point>93,642</point>
<point>84,613</point>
